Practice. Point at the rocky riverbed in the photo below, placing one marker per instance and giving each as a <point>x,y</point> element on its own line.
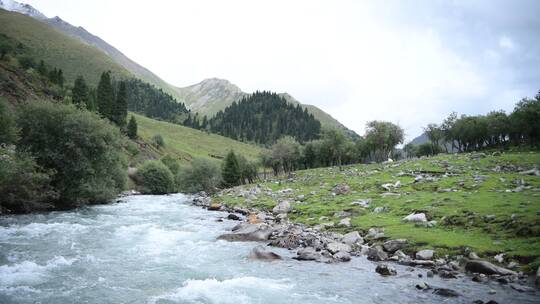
<point>317,244</point>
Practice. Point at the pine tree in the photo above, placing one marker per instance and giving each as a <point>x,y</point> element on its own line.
<point>80,94</point>
<point>120,106</point>
<point>231,170</point>
<point>42,69</point>
<point>132,128</point>
<point>60,78</point>
<point>105,95</point>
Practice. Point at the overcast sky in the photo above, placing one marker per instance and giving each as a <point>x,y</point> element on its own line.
<point>409,62</point>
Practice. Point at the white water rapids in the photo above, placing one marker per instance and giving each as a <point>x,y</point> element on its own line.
<point>160,249</point>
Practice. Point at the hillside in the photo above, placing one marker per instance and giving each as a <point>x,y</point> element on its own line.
<point>487,204</point>
<point>214,94</point>
<point>187,143</point>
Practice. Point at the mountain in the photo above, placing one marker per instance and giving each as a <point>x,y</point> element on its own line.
<point>82,35</point>
<point>212,95</point>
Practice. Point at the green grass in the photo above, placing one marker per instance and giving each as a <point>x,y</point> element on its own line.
<point>187,143</point>
<point>460,214</point>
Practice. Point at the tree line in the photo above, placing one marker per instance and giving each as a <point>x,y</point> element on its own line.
<point>496,129</point>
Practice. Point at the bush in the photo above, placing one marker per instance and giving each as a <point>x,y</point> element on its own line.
<point>171,163</point>
<point>158,141</point>
<point>8,129</point>
<point>84,151</point>
<point>23,184</point>
<point>155,178</point>
<point>201,175</point>
<point>27,62</point>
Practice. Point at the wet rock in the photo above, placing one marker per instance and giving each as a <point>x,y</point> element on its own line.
<point>445,274</point>
<point>282,207</point>
<point>263,253</point>
<point>521,288</point>
<point>422,286</point>
<point>446,292</point>
<point>429,274</point>
<point>394,245</point>
<point>308,254</point>
<point>248,232</point>
<point>352,238</point>
<point>499,257</point>
<point>415,217</point>
<point>537,280</point>
<point>375,254</point>
<point>335,247</point>
<point>342,256</point>
<point>485,267</point>
<point>233,217</point>
<point>385,270</point>
<point>214,207</point>
<point>426,254</point>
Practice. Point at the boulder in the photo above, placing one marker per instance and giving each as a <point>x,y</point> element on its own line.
<point>537,280</point>
<point>307,254</point>
<point>342,256</point>
<point>426,254</point>
<point>248,232</point>
<point>346,222</point>
<point>263,253</point>
<point>473,256</point>
<point>375,233</point>
<point>341,190</point>
<point>375,254</point>
<point>485,267</point>
<point>214,207</point>
<point>352,238</point>
<point>335,247</point>
<point>394,245</point>
<point>385,270</point>
<point>233,217</point>
<point>282,207</point>
<point>415,217</point>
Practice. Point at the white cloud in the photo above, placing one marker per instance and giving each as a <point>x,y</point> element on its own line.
<point>506,43</point>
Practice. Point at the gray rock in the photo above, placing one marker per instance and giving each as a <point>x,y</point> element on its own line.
<point>375,254</point>
<point>233,217</point>
<point>473,256</point>
<point>499,257</point>
<point>394,245</point>
<point>248,232</point>
<point>379,210</point>
<point>352,238</point>
<point>415,217</point>
<point>426,254</point>
<point>521,288</point>
<point>537,280</point>
<point>341,190</point>
<point>282,207</point>
<point>335,247</point>
<point>342,256</point>
<point>362,203</point>
<point>346,222</point>
<point>308,254</point>
<point>429,274</point>
<point>534,171</point>
<point>263,253</point>
<point>375,233</point>
<point>385,270</point>
<point>422,286</point>
<point>445,292</point>
<point>485,267</point>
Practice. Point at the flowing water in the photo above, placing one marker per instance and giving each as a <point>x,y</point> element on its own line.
<point>160,249</point>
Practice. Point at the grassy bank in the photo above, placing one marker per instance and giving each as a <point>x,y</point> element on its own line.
<point>479,202</point>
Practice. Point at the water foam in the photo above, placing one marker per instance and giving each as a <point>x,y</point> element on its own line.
<point>232,291</point>
<point>29,272</point>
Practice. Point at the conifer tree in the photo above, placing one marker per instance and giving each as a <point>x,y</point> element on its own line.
<point>60,78</point>
<point>42,69</point>
<point>231,170</point>
<point>132,128</point>
<point>80,94</point>
<point>105,95</point>
<point>120,106</point>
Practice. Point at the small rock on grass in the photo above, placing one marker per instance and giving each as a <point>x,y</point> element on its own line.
<point>415,217</point>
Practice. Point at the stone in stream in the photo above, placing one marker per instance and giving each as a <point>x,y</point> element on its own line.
<point>248,232</point>
<point>375,254</point>
<point>415,217</point>
<point>385,270</point>
<point>214,207</point>
<point>352,238</point>
<point>537,281</point>
<point>485,267</point>
<point>308,254</point>
<point>233,217</point>
<point>426,254</point>
<point>335,247</point>
<point>262,253</point>
<point>342,256</point>
<point>394,245</point>
<point>445,292</point>
<point>282,207</point>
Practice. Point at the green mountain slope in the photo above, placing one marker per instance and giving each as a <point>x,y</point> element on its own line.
<point>45,43</point>
<point>187,143</point>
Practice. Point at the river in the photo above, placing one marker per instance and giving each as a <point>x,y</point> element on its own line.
<point>160,249</point>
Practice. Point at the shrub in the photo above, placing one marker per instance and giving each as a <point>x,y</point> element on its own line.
<point>84,151</point>
<point>23,184</point>
<point>171,163</point>
<point>158,141</point>
<point>27,62</point>
<point>201,175</point>
<point>155,178</point>
<point>8,129</point>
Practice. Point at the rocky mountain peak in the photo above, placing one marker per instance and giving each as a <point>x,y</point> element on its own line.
<point>25,9</point>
